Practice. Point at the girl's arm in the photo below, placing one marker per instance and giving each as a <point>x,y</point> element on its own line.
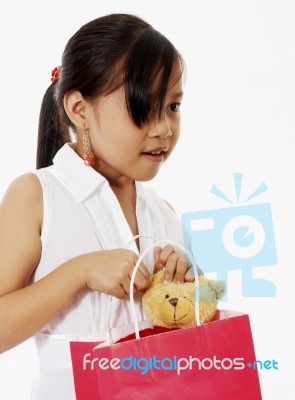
<point>25,309</point>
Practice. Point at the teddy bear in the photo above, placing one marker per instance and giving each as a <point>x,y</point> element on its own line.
<point>171,305</point>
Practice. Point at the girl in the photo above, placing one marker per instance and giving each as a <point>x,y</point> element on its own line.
<point>65,228</point>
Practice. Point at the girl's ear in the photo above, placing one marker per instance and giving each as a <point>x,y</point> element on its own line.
<point>75,106</point>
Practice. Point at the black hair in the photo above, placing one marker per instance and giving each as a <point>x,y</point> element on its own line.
<point>114,50</point>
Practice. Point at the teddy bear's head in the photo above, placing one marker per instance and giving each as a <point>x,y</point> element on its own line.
<point>171,305</point>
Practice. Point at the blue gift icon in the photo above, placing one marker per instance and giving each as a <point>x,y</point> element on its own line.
<point>238,237</point>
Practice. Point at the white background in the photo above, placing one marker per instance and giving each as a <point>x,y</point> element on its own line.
<point>238,116</point>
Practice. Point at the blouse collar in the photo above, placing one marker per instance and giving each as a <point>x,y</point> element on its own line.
<point>81,180</point>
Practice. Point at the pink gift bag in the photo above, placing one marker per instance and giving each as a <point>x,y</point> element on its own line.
<point>213,361</point>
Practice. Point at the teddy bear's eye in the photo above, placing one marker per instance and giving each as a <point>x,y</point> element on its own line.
<point>167,296</point>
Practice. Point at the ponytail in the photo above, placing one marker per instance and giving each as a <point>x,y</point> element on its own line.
<point>52,132</point>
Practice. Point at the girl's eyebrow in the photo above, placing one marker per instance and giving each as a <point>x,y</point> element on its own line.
<point>178,94</point>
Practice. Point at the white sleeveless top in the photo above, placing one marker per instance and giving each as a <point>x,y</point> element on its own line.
<point>81,215</point>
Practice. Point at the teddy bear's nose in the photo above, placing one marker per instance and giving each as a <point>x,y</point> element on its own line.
<point>173,301</point>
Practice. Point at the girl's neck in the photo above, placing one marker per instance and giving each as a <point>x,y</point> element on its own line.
<point>126,195</point>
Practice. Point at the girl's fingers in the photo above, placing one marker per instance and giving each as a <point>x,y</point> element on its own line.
<point>165,253</point>
<point>120,292</point>
<point>157,262</point>
<point>189,276</point>
<point>181,269</point>
<point>142,280</point>
<point>142,270</point>
<point>170,269</point>
<point>176,269</point>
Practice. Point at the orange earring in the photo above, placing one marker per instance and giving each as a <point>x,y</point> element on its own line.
<point>87,157</point>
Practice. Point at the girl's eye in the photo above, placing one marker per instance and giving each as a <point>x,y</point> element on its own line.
<point>174,107</point>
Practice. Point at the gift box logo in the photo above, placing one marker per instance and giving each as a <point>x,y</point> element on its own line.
<point>236,237</point>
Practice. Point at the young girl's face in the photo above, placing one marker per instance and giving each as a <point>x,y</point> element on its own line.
<point>124,151</point>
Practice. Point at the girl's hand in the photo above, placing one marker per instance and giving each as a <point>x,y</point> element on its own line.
<point>109,271</point>
<point>176,267</point>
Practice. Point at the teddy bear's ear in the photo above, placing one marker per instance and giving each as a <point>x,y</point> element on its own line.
<point>157,277</point>
<point>219,288</point>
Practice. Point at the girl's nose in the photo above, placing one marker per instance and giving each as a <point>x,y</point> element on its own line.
<point>160,129</point>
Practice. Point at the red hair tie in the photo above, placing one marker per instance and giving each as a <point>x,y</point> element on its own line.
<point>55,74</point>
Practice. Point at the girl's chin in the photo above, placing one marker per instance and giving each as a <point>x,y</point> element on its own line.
<point>147,176</point>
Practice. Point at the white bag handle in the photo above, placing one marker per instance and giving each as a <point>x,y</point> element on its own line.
<point>108,330</point>
<point>131,291</point>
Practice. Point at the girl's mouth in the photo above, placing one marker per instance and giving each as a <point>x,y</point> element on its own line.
<point>157,156</point>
